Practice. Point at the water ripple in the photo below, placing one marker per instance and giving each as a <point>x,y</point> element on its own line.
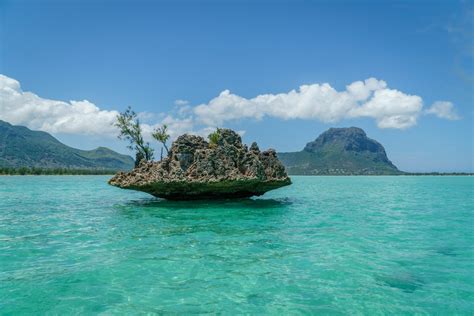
<point>325,245</point>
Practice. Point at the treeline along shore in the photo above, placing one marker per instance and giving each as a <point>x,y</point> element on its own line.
<point>71,171</point>
<point>437,174</point>
<point>54,171</point>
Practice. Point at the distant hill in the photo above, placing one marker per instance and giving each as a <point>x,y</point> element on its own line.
<point>340,151</point>
<point>22,147</point>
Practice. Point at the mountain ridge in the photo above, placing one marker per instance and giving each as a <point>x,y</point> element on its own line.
<point>22,147</point>
<point>340,151</point>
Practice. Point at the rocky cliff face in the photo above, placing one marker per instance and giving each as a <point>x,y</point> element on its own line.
<point>196,169</point>
<point>340,151</point>
<point>352,139</point>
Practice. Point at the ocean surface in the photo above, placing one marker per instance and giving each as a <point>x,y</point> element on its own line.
<point>326,245</point>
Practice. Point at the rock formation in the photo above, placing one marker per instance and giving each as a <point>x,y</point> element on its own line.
<point>196,169</point>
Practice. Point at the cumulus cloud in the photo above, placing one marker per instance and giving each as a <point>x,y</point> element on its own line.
<point>443,109</point>
<point>370,98</point>
<point>74,117</point>
<point>181,102</point>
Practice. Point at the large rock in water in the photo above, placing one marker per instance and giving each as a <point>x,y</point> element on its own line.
<point>195,169</point>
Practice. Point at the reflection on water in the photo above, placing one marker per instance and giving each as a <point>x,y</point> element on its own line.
<point>224,209</point>
<point>236,217</point>
<point>225,203</point>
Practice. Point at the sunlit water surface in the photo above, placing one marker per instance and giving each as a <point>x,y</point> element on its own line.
<point>329,245</point>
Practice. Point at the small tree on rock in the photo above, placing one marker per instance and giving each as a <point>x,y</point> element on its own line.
<point>214,138</point>
<point>130,130</point>
<point>161,135</point>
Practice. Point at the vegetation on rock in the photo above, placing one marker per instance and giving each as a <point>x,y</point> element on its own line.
<point>194,170</point>
<point>130,130</point>
<point>213,138</point>
<point>161,135</point>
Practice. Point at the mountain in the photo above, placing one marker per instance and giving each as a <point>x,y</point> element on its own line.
<point>340,151</point>
<point>22,147</point>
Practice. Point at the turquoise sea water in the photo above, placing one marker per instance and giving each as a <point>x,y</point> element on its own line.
<point>327,245</point>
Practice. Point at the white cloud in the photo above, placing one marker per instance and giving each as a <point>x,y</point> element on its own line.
<point>370,98</point>
<point>74,117</point>
<point>443,109</point>
<point>181,102</point>
<point>391,109</point>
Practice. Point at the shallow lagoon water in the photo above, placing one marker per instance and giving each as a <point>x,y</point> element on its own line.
<point>328,245</point>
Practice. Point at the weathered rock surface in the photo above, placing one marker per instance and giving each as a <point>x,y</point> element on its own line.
<point>196,169</point>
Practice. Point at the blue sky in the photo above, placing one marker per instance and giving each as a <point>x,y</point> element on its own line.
<point>150,54</point>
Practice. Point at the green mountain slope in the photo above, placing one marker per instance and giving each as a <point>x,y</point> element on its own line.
<point>22,147</point>
<point>340,151</point>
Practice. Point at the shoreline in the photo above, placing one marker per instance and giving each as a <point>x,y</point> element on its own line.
<point>294,175</point>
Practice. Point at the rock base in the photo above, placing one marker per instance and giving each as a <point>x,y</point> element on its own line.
<point>182,190</point>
